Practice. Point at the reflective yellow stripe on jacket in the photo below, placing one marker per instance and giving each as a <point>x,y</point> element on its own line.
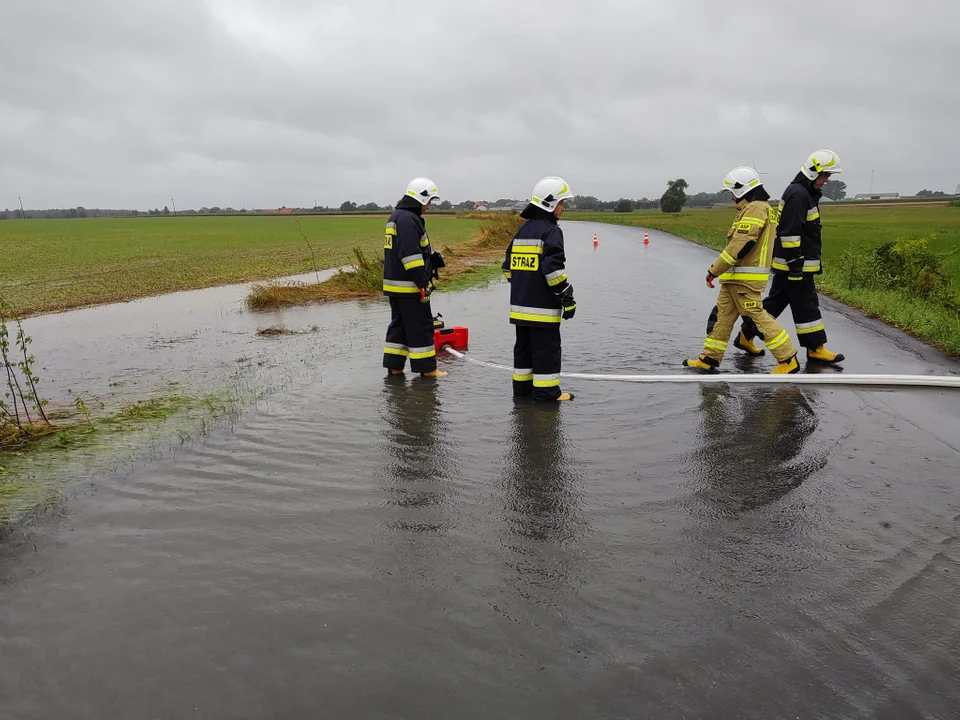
<point>401,286</point>
<point>535,314</point>
<point>412,261</point>
<point>745,274</point>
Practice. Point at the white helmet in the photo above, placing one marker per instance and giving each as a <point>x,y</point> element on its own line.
<point>821,161</point>
<point>741,180</point>
<point>422,190</point>
<point>550,191</point>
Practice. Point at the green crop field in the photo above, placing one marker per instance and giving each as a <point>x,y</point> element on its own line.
<point>849,232</point>
<point>50,265</point>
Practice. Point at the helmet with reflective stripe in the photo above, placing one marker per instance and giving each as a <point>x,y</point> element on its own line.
<point>741,180</point>
<point>423,190</point>
<point>821,161</point>
<point>550,191</point>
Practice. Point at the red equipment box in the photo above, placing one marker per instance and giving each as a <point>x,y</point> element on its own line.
<point>456,337</point>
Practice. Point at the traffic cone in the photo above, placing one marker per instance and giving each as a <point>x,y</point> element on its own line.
<point>595,241</point>
<point>646,238</point>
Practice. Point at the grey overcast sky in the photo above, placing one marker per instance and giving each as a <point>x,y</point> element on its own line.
<point>262,103</point>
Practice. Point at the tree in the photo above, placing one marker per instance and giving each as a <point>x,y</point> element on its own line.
<point>348,206</point>
<point>586,202</point>
<point>931,193</point>
<point>466,205</point>
<point>834,189</point>
<point>166,210</point>
<point>3,215</point>
<point>623,205</point>
<point>446,205</point>
<point>369,207</point>
<point>704,199</point>
<point>674,198</point>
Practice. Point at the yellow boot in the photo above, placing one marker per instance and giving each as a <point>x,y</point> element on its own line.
<point>565,396</point>
<point>396,372</point>
<point>821,354</point>
<point>747,345</point>
<point>434,374</point>
<point>787,367</point>
<point>702,363</point>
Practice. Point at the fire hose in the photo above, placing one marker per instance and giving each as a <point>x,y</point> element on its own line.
<point>943,381</point>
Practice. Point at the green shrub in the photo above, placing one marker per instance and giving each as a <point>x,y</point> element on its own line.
<point>907,266</point>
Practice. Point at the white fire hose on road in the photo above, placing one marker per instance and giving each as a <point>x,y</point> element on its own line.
<point>943,381</point>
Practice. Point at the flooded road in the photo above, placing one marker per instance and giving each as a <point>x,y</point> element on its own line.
<point>362,546</point>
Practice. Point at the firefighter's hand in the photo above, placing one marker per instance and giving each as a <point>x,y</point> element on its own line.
<point>796,265</point>
<point>568,303</point>
<point>424,295</point>
<point>710,278</point>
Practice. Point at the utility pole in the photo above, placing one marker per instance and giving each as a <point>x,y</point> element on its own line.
<point>174,205</point>
<point>23,215</point>
<point>871,182</point>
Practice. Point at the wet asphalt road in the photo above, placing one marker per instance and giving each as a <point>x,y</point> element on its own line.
<point>356,546</point>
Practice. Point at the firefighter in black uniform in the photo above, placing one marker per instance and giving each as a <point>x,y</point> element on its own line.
<point>796,260</point>
<point>540,294</point>
<point>408,263</point>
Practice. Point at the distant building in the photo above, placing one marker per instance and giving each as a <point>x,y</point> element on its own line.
<point>877,196</point>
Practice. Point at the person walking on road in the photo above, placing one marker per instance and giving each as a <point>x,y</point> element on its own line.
<point>407,259</point>
<point>743,269</point>
<point>540,293</point>
<point>797,259</point>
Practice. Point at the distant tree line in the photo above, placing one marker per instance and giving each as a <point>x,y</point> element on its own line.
<point>672,200</point>
<point>675,196</point>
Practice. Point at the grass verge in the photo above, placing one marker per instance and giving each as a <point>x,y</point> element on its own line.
<point>851,234</point>
<point>467,265</point>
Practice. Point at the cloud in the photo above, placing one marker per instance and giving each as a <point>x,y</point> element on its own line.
<point>248,102</point>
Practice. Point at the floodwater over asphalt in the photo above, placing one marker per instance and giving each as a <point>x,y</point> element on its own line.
<point>357,546</point>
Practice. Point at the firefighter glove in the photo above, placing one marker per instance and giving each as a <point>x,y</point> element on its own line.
<point>424,295</point>
<point>435,263</point>
<point>710,278</point>
<point>796,265</point>
<point>568,303</point>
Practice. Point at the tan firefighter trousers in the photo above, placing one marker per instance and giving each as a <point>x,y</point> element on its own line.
<point>733,301</point>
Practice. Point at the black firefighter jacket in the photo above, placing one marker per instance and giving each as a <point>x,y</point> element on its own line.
<point>798,244</point>
<point>534,265</point>
<point>406,251</point>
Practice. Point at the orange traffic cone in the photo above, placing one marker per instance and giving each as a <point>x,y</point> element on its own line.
<point>646,238</point>
<point>595,241</point>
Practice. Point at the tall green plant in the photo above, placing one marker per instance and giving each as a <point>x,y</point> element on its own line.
<point>19,398</point>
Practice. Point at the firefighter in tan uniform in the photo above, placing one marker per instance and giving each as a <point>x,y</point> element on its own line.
<point>743,269</point>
